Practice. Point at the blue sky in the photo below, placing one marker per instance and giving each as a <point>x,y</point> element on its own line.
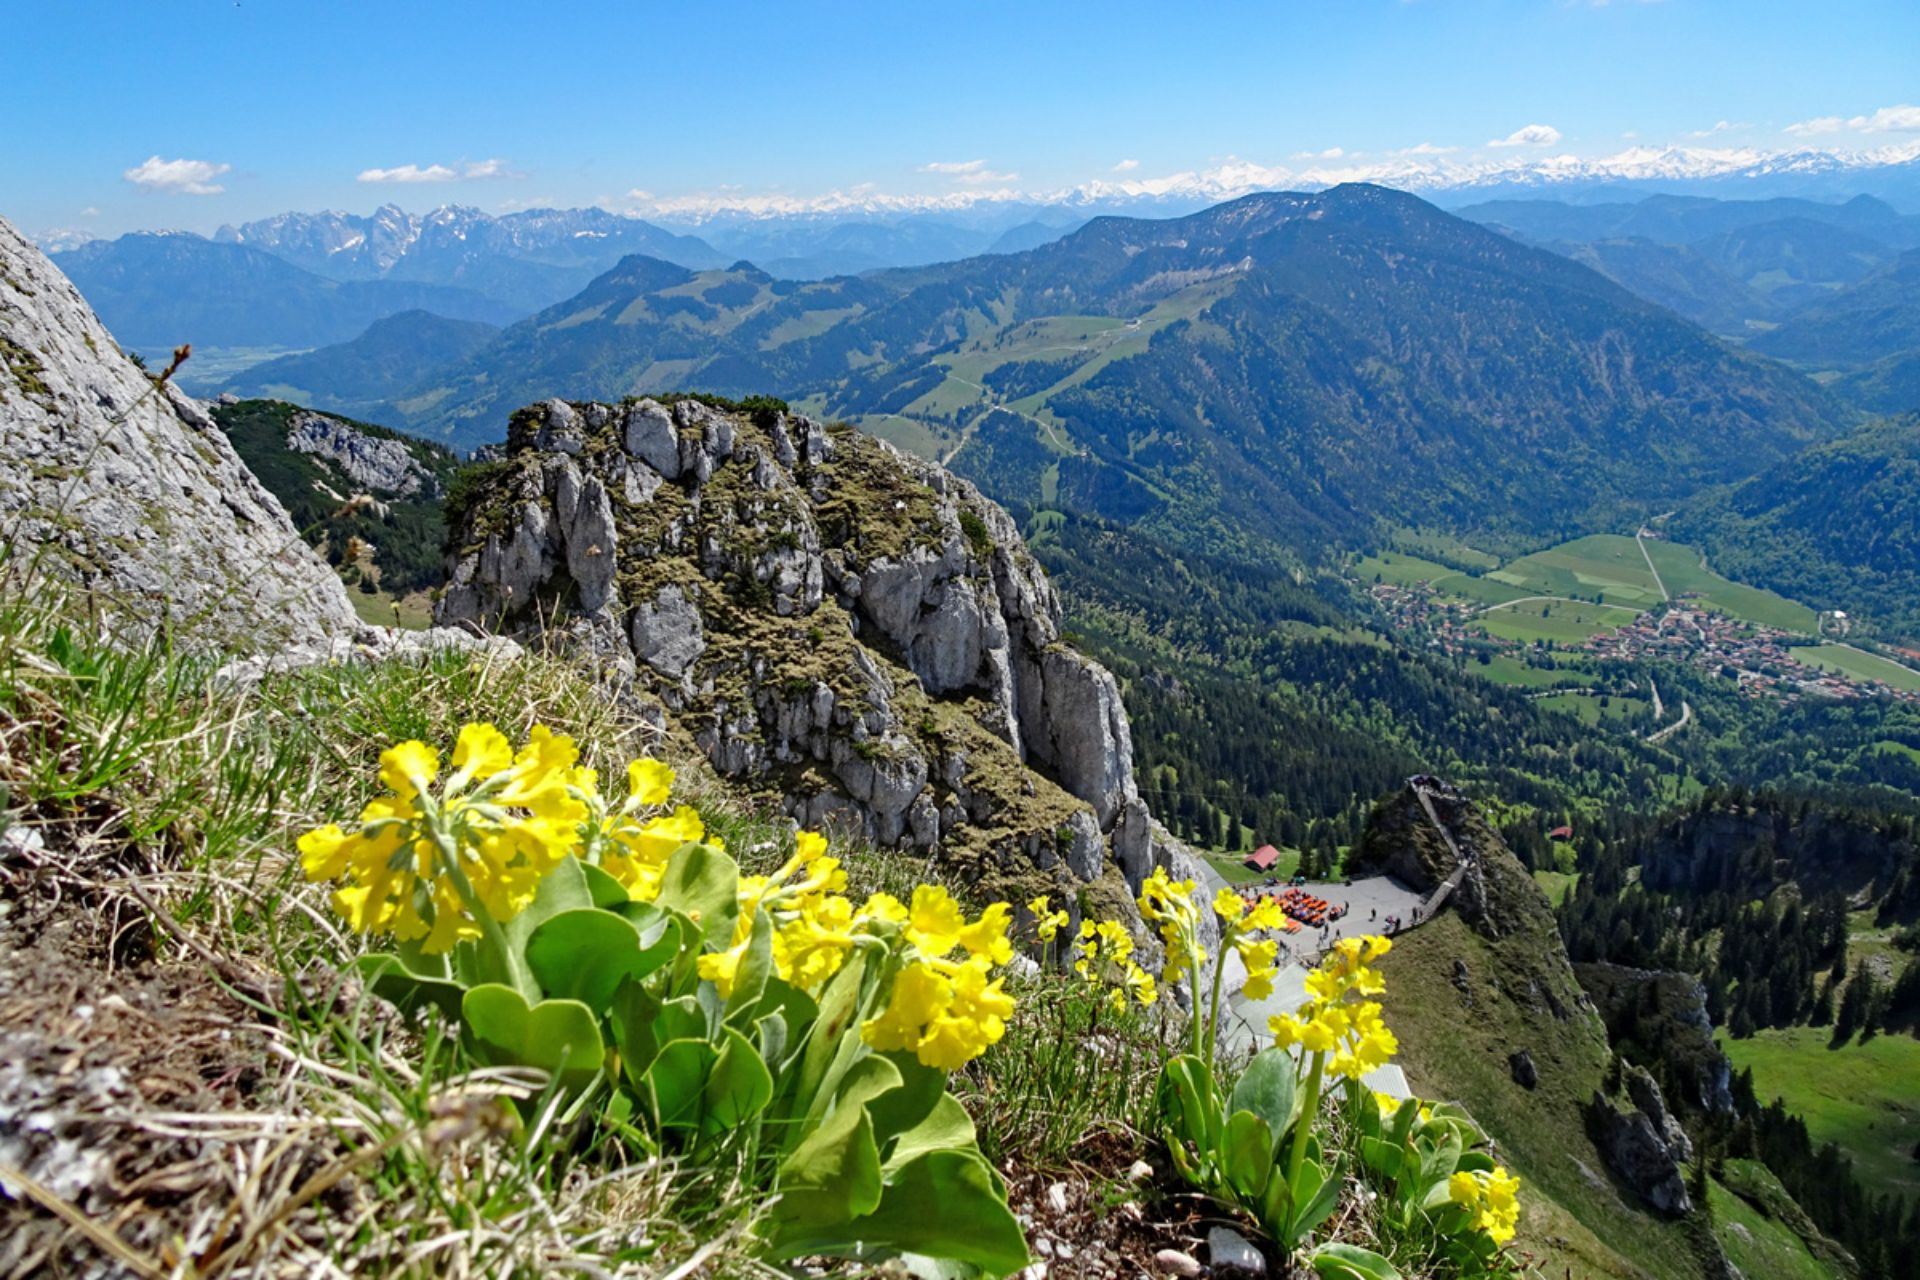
<point>191,113</point>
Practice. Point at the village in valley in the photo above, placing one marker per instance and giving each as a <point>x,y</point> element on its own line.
<point>1611,599</point>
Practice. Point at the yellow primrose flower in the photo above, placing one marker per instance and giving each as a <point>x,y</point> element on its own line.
<point>649,782</point>
<point>1046,924</point>
<point>934,921</point>
<point>1228,905</point>
<point>987,936</point>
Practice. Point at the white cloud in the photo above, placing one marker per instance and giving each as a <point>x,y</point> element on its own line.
<point>1719,127</point>
<point>178,177</point>
<point>465,172</point>
<point>1533,135</point>
<point>90,211</point>
<point>1900,119</point>
<point>974,173</point>
<point>1126,166</point>
<point>1331,153</point>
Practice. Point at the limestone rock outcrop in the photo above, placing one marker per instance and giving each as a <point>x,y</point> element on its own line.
<point>371,462</point>
<point>129,489</point>
<point>1644,1144</point>
<point>855,630</point>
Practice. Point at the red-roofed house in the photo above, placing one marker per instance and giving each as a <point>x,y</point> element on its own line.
<point>1263,858</point>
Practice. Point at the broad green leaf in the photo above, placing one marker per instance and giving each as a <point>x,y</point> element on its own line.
<point>703,884</point>
<point>770,1032</point>
<point>1269,1089</point>
<point>750,979</point>
<point>831,1179</point>
<point>738,1088</point>
<point>677,1081</point>
<point>586,953</point>
<point>562,889</point>
<point>796,1008</point>
<point>390,978</point>
<point>1382,1157</point>
<point>642,1022</point>
<point>606,892</point>
<point>1336,1261</point>
<point>561,1037</point>
<point>945,1205</point>
<point>1315,1193</point>
<point>833,1173</point>
<point>1189,1104</point>
<point>946,1128</point>
<point>904,1108</point>
<point>837,1023</point>
<point>1246,1155</point>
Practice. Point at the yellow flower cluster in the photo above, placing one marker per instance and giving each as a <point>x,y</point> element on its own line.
<point>1047,924</point>
<point>946,1011</point>
<point>1168,905</point>
<point>632,846</point>
<point>1351,1032</point>
<point>1492,1197</point>
<point>1239,924</point>
<point>1104,955</point>
<point>422,863</point>
<point>814,925</point>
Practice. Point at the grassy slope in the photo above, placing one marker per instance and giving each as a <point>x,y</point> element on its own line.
<point>1761,1245</point>
<point>1864,1097</point>
<point>1861,664</point>
<point>1576,1214</point>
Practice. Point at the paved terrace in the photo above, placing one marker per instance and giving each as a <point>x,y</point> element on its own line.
<point>1369,902</point>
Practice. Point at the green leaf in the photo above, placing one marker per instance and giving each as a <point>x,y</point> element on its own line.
<point>756,966</point>
<point>1269,1088</point>
<point>562,889</point>
<point>945,1205</point>
<point>561,1037</point>
<point>1316,1192</point>
<point>677,1081</point>
<point>823,1060</point>
<point>606,892</point>
<point>1246,1155</point>
<point>586,953</point>
<point>947,1127</point>
<point>1189,1104</point>
<point>831,1180</point>
<point>390,978</point>
<point>704,885</point>
<point>1337,1261</point>
<point>738,1087</point>
<point>909,1106</point>
<point>796,1008</point>
<point>1382,1157</point>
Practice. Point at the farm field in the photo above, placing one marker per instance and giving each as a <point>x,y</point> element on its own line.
<point>1560,621</point>
<point>1685,573</point>
<point>1503,668</point>
<point>1861,664</point>
<point>1608,565</point>
<point>1865,1097</point>
<point>1592,710</point>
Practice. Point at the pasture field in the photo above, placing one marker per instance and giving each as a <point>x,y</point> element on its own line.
<point>1864,1097</point>
<point>1403,570</point>
<point>1502,668</point>
<point>1761,1245</point>
<point>1605,564</point>
<point>1685,572</point>
<point>1561,621</point>
<point>1590,711</point>
<point>1860,664</point>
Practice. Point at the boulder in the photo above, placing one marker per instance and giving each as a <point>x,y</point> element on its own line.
<point>127,488</point>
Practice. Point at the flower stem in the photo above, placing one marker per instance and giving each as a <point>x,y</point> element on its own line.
<point>1213,1006</point>
<point>1298,1152</point>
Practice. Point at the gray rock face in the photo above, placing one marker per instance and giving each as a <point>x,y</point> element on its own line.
<point>816,609</point>
<point>372,462</point>
<point>1639,1147</point>
<point>131,490</point>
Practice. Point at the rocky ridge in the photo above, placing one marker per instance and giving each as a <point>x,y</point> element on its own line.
<point>855,633</point>
<point>129,488</point>
<point>372,462</point>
